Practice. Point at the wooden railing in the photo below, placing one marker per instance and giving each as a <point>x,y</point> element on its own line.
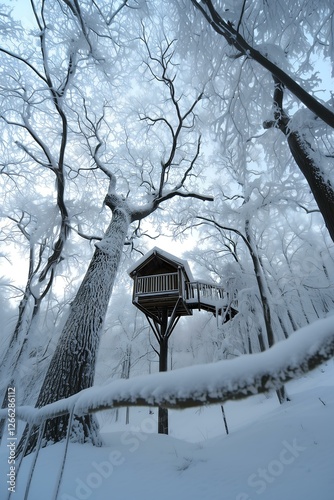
<point>193,291</point>
<point>157,283</point>
<point>197,291</point>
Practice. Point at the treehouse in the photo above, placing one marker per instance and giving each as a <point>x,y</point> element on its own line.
<point>163,282</point>
<point>164,290</point>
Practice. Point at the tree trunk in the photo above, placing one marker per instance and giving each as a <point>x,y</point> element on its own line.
<point>72,366</point>
<point>15,356</point>
<point>305,157</point>
<point>281,393</point>
<point>321,188</point>
<point>261,286</point>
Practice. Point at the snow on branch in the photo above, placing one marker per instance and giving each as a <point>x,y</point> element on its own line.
<point>139,213</point>
<point>204,384</point>
<point>233,37</point>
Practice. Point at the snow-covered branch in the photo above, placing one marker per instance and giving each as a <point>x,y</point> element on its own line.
<point>183,194</point>
<point>24,61</point>
<point>200,385</point>
<point>235,39</point>
<point>140,213</point>
<point>225,228</point>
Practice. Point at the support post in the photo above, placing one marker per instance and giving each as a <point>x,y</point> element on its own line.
<point>163,360</point>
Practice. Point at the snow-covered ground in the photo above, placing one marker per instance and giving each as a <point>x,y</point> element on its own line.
<point>272,452</point>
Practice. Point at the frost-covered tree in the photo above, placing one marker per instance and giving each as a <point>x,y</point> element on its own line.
<point>268,60</point>
<point>54,119</point>
<point>285,266</point>
<point>100,109</point>
<point>264,62</point>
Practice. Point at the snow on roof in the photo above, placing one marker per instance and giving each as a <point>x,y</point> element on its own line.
<point>165,255</point>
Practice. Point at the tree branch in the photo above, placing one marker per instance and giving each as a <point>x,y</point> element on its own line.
<point>86,236</point>
<point>219,382</point>
<point>171,194</point>
<point>226,228</point>
<point>25,62</point>
<point>233,37</point>
<point>241,15</point>
<point>142,212</point>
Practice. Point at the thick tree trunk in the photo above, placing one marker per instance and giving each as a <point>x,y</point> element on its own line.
<point>72,366</point>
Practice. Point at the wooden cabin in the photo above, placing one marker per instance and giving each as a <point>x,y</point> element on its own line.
<point>164,282</point>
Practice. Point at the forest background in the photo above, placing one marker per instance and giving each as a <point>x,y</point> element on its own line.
<point>124,121</point>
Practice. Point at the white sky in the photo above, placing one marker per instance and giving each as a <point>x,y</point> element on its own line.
<point>21,9</point>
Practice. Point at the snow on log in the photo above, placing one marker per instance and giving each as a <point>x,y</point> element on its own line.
<point>204,384</point>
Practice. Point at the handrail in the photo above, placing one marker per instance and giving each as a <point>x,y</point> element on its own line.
<point>172,282</point>
<point>156,283</point>
<point>197,290</point>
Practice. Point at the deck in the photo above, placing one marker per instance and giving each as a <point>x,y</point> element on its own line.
<point>167,290</point>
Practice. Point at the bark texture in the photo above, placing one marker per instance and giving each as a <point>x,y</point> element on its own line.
<point>72,366</point>
<point>307,159</point>
<point>321,188</point>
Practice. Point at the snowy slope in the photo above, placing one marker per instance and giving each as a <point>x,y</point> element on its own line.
<point>272,452</point>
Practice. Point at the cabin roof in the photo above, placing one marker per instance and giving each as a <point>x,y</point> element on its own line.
<point>159,258</point>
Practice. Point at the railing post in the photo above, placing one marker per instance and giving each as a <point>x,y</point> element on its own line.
<point>180,278</point>
<point>134,292</point>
